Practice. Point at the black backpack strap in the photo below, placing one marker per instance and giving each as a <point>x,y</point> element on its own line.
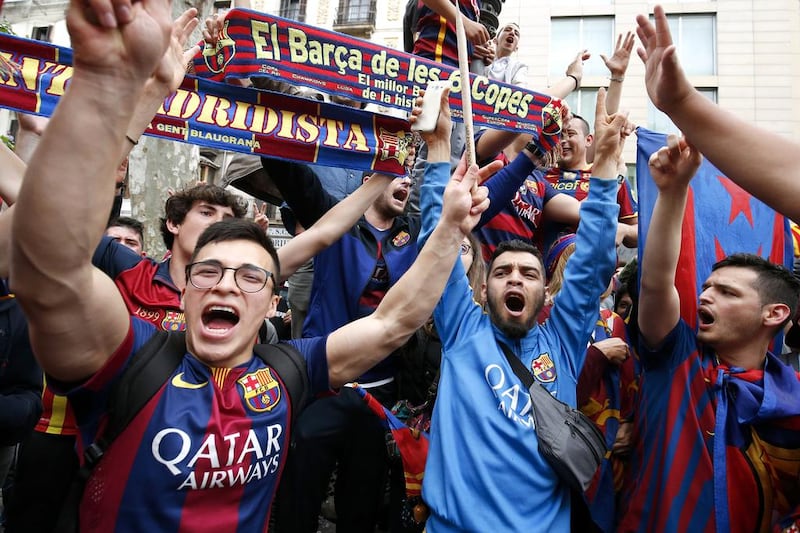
<point>147,371</point>
<point>291,367</point>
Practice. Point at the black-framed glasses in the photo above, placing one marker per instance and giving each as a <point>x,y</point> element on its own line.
<point>207,274</point>
<point>465,248</point>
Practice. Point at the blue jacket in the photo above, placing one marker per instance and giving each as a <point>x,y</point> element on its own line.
<point>484,469</point>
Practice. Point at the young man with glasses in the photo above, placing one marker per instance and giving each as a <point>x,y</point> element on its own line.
<point>206,452</point>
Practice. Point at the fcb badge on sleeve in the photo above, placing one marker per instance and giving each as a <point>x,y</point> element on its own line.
<point>262,392</point>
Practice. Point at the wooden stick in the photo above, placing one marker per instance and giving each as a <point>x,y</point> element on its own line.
<point>466,88</point>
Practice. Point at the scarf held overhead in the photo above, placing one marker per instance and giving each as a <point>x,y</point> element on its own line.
<point>221,116</point>
<point>255,44</point>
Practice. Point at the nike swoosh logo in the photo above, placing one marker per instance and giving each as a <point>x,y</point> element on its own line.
<point>178,381</point>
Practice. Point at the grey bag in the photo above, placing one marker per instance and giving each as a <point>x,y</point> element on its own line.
<point>568,440</point>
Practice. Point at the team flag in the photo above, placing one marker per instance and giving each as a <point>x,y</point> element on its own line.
<point>720,219</point>
<point>412,444</point>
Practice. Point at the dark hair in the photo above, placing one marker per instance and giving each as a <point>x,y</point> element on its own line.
<point>515,245</point>
<point>180,203</point>
<point>128,222</point>
<point>774,283</point>
<point>586,129</point>
<point>238,229</point>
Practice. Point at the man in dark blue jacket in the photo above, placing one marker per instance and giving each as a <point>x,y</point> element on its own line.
<point>350,279</point>
<point>20,380</point>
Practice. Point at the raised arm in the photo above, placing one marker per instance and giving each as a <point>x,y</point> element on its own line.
<point>494,141</point>
<point>300,188</point>
<point>617,66</point>
<point>12,168</point>
<point>358,346</point>
<point>331,226</point>
<point>77,318</point>
<point>728,142</point>
<point>572,79</point>
<point>672,167</point>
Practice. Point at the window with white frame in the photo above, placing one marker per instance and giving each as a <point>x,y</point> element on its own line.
<point>570,35</point>
<point>293,9</point>
<point>695,37</point>
<point>582,102</point>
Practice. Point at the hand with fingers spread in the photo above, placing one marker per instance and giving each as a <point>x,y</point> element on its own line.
<point>673,166</point>
<point>617,64</point>
<point>172,68</point>
<point>665,80</point>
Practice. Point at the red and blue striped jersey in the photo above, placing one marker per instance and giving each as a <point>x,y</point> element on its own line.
<point>204,454</point>
<point>521,218</point>
<point>436,38</point>
<point>673,462</point>
<point>576,184</point>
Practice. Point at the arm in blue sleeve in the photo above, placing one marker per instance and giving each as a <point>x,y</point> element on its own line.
<point>504,185</point>
<point>588,271</point>
<point>300,189</point>
<point>113,258</point>
<point>20,409</point>
<point>431,197</point>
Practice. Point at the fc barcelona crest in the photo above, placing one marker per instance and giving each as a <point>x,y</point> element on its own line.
<point>394,145</point>
<point>551,118</point>
<point>543,368</point>
<point>532,185</point>
<point>219,55</point>
<point>261,391</point>
<point>401,239</point>
<point>173,321</point>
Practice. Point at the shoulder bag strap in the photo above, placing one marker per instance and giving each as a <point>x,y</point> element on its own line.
<point>516,364</point>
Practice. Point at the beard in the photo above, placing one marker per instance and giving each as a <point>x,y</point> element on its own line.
<point>511,328</point>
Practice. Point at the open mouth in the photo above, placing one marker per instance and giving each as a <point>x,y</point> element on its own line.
<point>400,195</point>
<point>705,318</point>
<point>515,303</point>
<point>219,317</point>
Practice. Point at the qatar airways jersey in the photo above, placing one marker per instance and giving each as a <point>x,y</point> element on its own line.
<point>204,454</point>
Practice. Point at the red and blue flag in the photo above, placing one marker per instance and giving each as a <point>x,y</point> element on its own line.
<point>412,444</point>
<point>720,219</point>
